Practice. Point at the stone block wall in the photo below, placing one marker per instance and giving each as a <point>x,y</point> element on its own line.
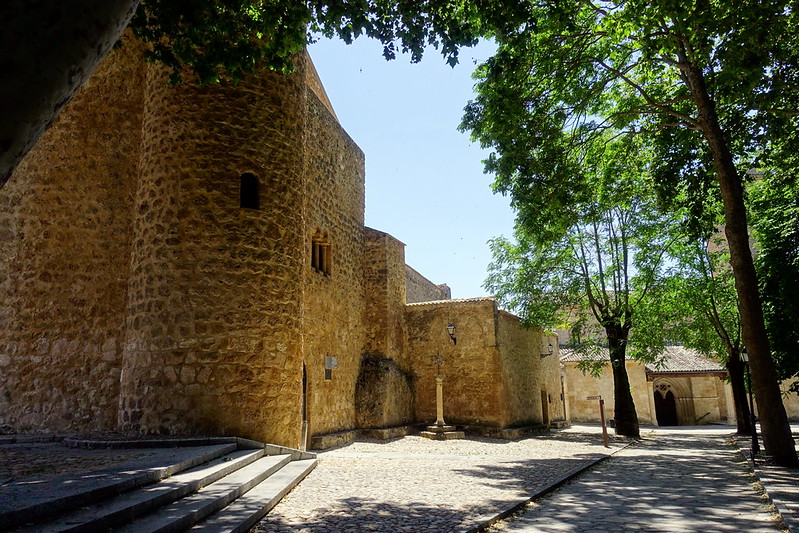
<point>531,384</point>
<point>790,400</point>
<point>521,365</point>
<point>384,312</point>
<point>332,303</point>
<point>213,339</point>
<point>420,289</point>
<point>708,398</point>
<point>472,370</point>
<point>584,385</point>
<point>553,380</point>
<point>65,218</point>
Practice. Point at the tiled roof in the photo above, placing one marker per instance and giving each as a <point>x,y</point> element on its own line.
<point>570,356</point>
<point>682,359</point>
<point>673,359</point>
<point>456,300</point>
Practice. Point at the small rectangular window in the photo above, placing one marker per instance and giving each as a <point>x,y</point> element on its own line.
<point>248,191</point>
<point>321,253</point>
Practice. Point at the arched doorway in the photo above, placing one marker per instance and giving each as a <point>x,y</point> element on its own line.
<point>674,404</point>
<point>666,408</point>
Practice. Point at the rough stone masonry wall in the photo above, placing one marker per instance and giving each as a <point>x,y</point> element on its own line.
<point>472,372</point>
<point>213,343</point>
<point>420,289</point>
<point>384,280</point>
<point>333,305</point>
<point>522,376</point>
<point>790,399</point>
<point>552,378</point>
<point>64,254</point>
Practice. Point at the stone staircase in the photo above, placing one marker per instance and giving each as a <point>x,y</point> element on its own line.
<point>213,485</point>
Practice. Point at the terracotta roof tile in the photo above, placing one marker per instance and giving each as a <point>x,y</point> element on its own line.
<point>455,300</point>
<point>682,359</point>
<point>673,359</point>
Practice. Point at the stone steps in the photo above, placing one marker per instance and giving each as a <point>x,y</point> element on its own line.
<point>186,493</point>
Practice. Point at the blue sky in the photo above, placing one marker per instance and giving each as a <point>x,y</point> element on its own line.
<point>424,179</point>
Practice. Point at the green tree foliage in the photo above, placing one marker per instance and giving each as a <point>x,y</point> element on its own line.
<point>590,267</point>
<point>706,83</point>
<point>227,38</point>
<point>775,220</point>
<point>699,309</point>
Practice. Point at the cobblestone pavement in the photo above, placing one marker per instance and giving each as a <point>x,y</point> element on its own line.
<point>416,484</point>
<point>674,480</point>
<point>781,484</point>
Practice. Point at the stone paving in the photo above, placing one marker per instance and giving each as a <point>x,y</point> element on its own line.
<point>674,480</point>
<point>416,484</point>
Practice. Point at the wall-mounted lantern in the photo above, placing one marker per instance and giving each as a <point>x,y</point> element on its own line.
<point>550,351</point>
<point>451,331</point>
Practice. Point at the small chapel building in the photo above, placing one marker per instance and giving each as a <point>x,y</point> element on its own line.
<point>682,388</point>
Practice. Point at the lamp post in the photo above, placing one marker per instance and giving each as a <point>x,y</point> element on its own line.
<point>755,444</point>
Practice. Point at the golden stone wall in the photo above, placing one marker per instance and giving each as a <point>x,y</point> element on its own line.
<point>790,400</point>
<point>420,289</point>
<point>531,384</point>
<point>700,398</point>
<point>384,394</point>
<point>384,314</point>
<point>521,367</point>
<point>472,373</point>
<point>333,304</point>
<point>136,293</point>
<point>584,385</point>
<point>213,327</point>
<point>493,376</point>
<point>64,256</point>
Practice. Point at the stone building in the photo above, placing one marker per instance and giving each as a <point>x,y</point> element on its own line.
<point>194,260</point>
<point>684,388</point>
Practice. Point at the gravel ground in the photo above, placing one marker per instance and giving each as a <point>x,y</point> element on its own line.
<point>416,484</point>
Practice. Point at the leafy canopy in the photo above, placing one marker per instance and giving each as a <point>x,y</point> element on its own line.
<point>591,268</point>
<point>228,38</point>
<point>578,68</point>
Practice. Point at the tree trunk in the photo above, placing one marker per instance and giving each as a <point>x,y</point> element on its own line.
<point>626,417</point>
<point>48,49</point>
<point>735,368</point>
<point>777,439</point>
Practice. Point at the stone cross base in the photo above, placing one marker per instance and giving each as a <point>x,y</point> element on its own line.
<point>437,432</point>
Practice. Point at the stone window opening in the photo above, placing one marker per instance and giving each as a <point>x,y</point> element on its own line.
<point>321,253</point>
<point>249,191</point>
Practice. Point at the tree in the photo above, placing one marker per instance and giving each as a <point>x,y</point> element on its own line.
<point>701,312</point>
<point>705,82</point>
<point>595,262</point>
<point>775,222</point>
<point>49,51</point>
